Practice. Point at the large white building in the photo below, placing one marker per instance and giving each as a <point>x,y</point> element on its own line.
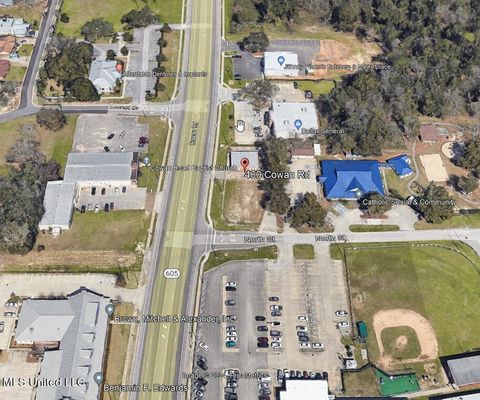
<point>299,389</point>
<point>74,331</point>
<point>280,64</point>
<point>104,75</point>
<point>294,120</point>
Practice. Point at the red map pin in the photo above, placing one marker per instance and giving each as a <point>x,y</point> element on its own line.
<point>119,67</point>
<point>244,161</point>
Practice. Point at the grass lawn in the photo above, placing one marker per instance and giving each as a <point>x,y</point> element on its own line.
<point>117,348</point>
<point>397,187</point>
<point>410,349</point>
<point>317,87</point>
<point>156,150</point>
<point>303,252</point>
<point>457,221</point>
<point>225,199</point>
<point>116,230</point>
<point>227,133</point>
<point>171,52</point>
<point>435,279</point>
<point>373,228</point>
<point>217,258</point>
<point>228,5</point>
<point>361,384</point>
<point>228,74</point>
<point>112,10</point>
<point>54,145</point>
<point>25,50</point>
<point>16,74</point>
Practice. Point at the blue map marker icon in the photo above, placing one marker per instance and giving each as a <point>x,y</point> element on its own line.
<point>298,123</point>
<point>281,60</point>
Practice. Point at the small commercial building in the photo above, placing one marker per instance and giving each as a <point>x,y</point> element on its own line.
<point>303,150</point>
<point>15,27</point>
<point>293,120</point>
<point>72,333</point>
<point>350,179</point>
<point>280,64</point>
<point>298,389</point>
<point>466,395</point>
<point>462,369</point>
<point>401,165</point>
<point>104,75</point>
<point>237,155</point>
<point>58,203</point>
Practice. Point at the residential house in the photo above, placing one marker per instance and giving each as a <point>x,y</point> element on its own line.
<point>7,45</point>
<point>350,179</point>
<point>14,26</point>
<point>104,75</point>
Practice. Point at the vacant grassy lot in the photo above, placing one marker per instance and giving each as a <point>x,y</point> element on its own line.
<point>434,279</point>
<point>217,258</point>
<point>373,228</point>
<point>457,221</point>
<point>16,74</point>
<point>317,87</point>
<point>117,348</point>
<point>158,134</point>
<point>397,187</point>
<point>401,342</point>
<point>227,133</point>
<point>303,252</point>
<point>25,50</point>
<point>116,230</point>
<point>236,205</point>
<point>55,145</point>
<point>112,10</point>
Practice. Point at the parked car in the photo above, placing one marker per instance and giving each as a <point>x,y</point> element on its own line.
<point>203,346</point>
<point>112,204</point>
<point>124,189</point>
<point>304,345</point>
<point>231,338</point>
<point>325,375</point>
<point>202,359</point>
<point>275,323</point>
<point>262,328</point>
<point>83,208</point>
<point>295,85</point>
<point>202,365</point>
<point>276,313</point>
<point>106,207</point>
<point>341,313</point>
<point>107,149</point>
<point>230,343</point>
<point>103,191</point>
<point>198,393</point>
<point>275,333</point>
<point>237,77</point>
<point>231,328</point>
<point>93,191</point>
<point>262,345</point>
<point>233,284</point>
<point>9,314</point>
<point>318,345</point>
<point>2,326</point>
<point>230,288</point>
<point>109,137</point>
<point>230,302</point>
<point>273,298</point>
<point>262,339</point>
<point>343,324</point>
<point>259,318</point>
<point>122,135</point>
<point>308,94</point>
<point>302,318</point>
<point>122,149</point>
<point>301,328</point>
<point>202,380</point>
<point>276,345</point>
<point>275,307</point>
<point>303,339</point>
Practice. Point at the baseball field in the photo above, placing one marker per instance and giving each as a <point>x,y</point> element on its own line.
<point>419,301</point>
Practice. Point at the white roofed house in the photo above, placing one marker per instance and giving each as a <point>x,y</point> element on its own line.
<point>294,120</point>
<point>73,331</point>
<point>104,75</point>
<point>14,26</point>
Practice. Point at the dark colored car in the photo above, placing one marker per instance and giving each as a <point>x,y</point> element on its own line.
<point>325,376</point>
<point>262,328</point>
<point>302,333</point>
<point>104,191</point>
<point>259,318</point>
<point>106,207</point>
<point>262,339</point>
<point>308,94</point>
<point>237,77</point>
<point>273,298</point>
<point>112,204</point>
<point>318,376</point>
<point>94,190</point>
<point>295,85</point>
<point>202,380</point>
<point>230,302</point>
<point>202,365</point>
<point>305,375</point>
<point>236,56</point>
<point>303,339</point>
<point>124,189</point>
<point>107,149</point>
<point>262,345</point>
<point>110,136</point>
<point>275,333</point>
<point>276,313</point>
<point>143,140</point>
<point>202,359</point>
<point>230,288</point>
<point>83,208</point>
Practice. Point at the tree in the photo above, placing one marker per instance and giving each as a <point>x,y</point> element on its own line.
<point>255,42</point>
<point>111,54</point>
<point>128,36</point>
<point>159,86</point>
<point>435,204</point>
<point>96,29</point>
<point>82,89</point>
<point>471,155</point>
<point>277,201</point>
<point>468,183</point>
<point>245,12</point>
<point>165,28</point>
<point>259,93</point>
<point>161,57</point>
<point>64,18</point>
<point>139,18</point>
<point>51,118</point>
<point>124,51</point>
<point>309,212</point>
<point>7,91</point>
<point>375,203</point>
<point>162,42</point>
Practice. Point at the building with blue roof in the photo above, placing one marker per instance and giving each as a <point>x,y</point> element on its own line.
<point>401,165</point>
<point>350,179</point>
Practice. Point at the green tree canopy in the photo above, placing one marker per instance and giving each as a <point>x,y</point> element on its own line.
<point>435,204</point>
<point>309,212</point>
<point>97,28</point>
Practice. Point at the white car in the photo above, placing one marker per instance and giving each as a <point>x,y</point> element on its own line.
<point>264,378</point>
<point>232,333</point>
<point>231,328</point>
<point>305,345</point>
<point>203,346</point>
<point>232,284</point>
<point>276,339</point>
<point>231,372</point>
<point>276,345</point>
<point>341,313</point>
<point>317,345</point>
<point>302,318</point>
<point>343,324</point>
<point>301,328</point>
<point>286,373</point>
<point>231,338</point>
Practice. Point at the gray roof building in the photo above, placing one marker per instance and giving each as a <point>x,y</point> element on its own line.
<point>236,157</point>
<point>101,167</point>
<point>465,370</point>
<point>79,324</point>
<point>104,75</point>
<point>14,26</point>
<point>294,120</point>
<point>58,203</point>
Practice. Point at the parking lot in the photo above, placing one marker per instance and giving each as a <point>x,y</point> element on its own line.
<point>7,322</point>
<point>251,119</point>
<point>15,366</point>
<point>296,187</point>
<point>132,199</point>
<point>92,132</point>
<point>313,290</point>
